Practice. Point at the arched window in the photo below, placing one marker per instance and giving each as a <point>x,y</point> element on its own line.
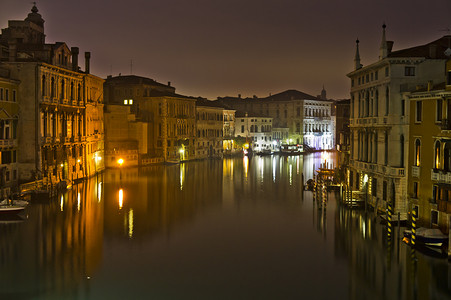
<point>447,157</point>
<point>401,140</point>
<point>417,152</point>
<point>387,101</point>
<point>62,89</point>
<point>52,87</point>
<point>437,155</point>
<point>376,99</point>
<point>386,148</point>
<point>79,92</point>
<point>367,104</point>
<point>44,86</point>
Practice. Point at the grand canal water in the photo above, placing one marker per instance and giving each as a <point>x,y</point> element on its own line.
<point>233,229</point>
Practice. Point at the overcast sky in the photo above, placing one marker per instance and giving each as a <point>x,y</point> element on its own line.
<point>214,48</point>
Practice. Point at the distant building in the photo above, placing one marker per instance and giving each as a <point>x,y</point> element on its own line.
<point>256,130</point>
<point>60,131</point>
<point>125,137</point>
<point>170,117</point>
<point>379,119</point>
<point>209,129</point>
<point>294,112</point>
<point>229,144</point>
<point>342,131</point>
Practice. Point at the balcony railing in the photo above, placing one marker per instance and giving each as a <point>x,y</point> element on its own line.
<point>415,171</point>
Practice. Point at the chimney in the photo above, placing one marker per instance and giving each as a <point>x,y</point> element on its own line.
<point>87,58</point>
<point>430,85</point>
<point>169,83</point>
<point>75,52</point>
<point>433,51</point>
<point>389,46</point>
<point>239,96</point>
<point>12,49</point>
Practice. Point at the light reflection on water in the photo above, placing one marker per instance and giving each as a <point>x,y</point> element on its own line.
<point>238,228</point>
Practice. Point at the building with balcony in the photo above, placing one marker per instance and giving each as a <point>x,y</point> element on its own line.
<point>209,129</point>
<point>256,130</point>
<point>230,147</point>
<point>379,121</point>
<point>61,114</point>
<point>9,117</point>
<point>429,167</point>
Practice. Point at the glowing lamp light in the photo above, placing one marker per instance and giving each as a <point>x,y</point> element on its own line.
<point>182,151</point>
<point>120,161</point>
<point>61,165</point>
<point>365,178</point>
<point>274,143</point>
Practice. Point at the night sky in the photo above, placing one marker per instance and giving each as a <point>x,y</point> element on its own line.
<point>214,48</point>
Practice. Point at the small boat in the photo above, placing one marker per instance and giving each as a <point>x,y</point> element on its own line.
<point>11,207</point>
<point>265,152</point>
<point>291,149</point>
<point>428,236</point>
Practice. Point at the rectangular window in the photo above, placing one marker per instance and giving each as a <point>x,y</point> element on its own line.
<point>367,78</point>
<point>1,93</point>
<point>438,111</point>
<point>376,75</point>
<point>6,94</point>
<point>418,111</point>
<point>403,107</point>
<point>415,190</point>
<point>435,193</point>
<point>434,217</point>
<point>409,71</point>
<point>386,72</point>
<point>242,128</point>
<point>14,95</point>
<point>449,78</point>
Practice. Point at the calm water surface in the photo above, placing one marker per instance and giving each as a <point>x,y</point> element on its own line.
<point>233,229</point>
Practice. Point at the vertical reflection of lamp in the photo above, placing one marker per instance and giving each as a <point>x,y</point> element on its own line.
<point>121,198</point>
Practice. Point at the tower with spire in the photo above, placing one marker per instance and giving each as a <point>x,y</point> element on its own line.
<point>383,50</point>
<point>357,64</point>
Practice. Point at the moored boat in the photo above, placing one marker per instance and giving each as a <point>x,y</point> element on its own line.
<point>428,236</point>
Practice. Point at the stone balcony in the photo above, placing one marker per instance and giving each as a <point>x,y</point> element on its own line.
<point>415,172</point>
<point>441,176</point>
<point>8,143</point>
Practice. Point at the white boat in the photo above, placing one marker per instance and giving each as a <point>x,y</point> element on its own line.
<point>9,207</point>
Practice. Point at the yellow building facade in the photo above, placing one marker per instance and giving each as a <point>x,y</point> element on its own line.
<point>429,184</point>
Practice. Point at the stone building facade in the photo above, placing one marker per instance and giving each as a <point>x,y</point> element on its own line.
<point>209,129</point>
<point>60,127</point>
<point>379,121</point>
<point>9,117</point>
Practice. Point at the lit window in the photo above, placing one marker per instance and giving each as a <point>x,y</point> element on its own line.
<point>130,101</point>
<point>125,102</point>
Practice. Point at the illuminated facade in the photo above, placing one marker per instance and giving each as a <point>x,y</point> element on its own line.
<point>209,129</point>
<point>256,130</point>
<point>294,112</point>
<point>379,120</point>
<point>61,108</point>
<point>229,144</point>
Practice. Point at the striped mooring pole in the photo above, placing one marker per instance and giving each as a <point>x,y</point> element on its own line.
<point>389,220</point>
<point>314,188</point>
<point>414,227</point>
